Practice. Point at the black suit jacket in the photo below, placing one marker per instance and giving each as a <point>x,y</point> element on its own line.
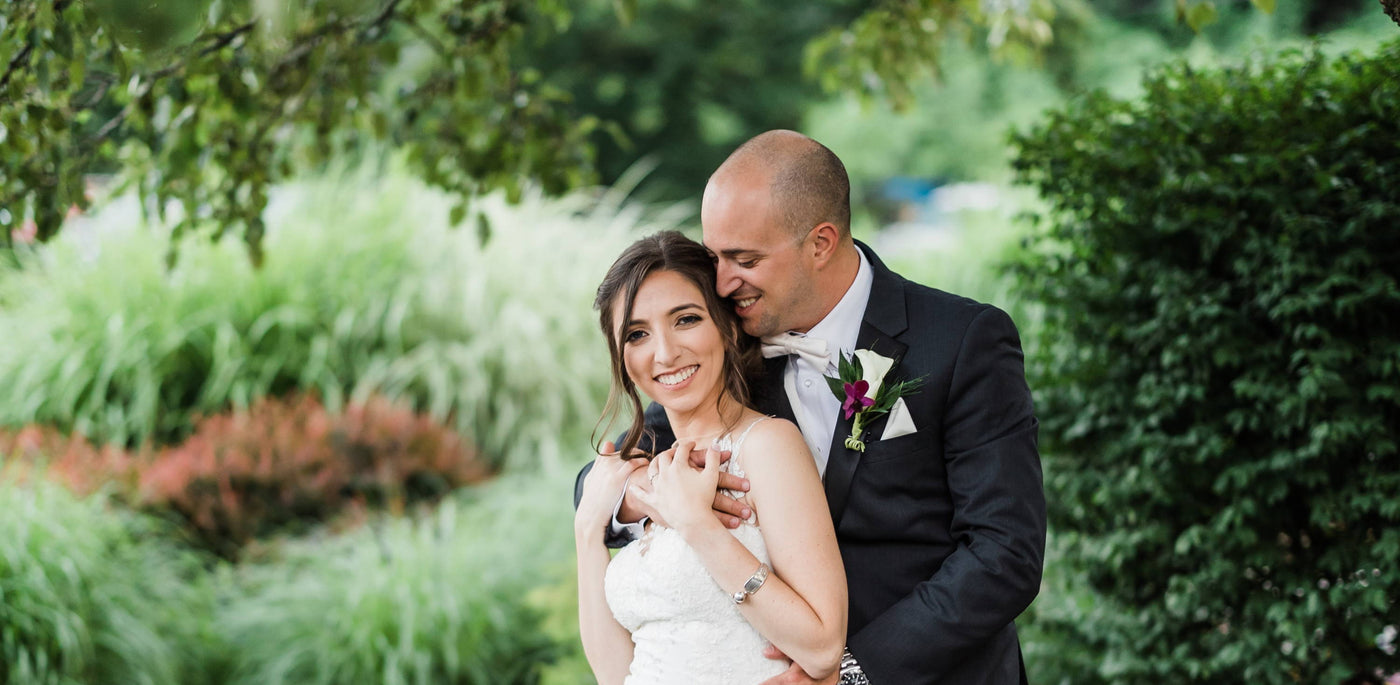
<point>942,531</point>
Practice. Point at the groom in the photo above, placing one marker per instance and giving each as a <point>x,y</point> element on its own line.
<point>941,518</point>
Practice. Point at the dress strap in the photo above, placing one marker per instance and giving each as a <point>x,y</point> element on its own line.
<point>735,465</point>
<point>738,443</point>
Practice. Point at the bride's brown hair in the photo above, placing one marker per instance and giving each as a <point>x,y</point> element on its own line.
<point>668,251</point>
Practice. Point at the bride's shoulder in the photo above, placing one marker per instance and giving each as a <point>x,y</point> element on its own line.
<point>773,435</point>
<point>775,457</point>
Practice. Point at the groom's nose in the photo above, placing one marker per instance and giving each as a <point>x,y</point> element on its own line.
<point>725,280</point>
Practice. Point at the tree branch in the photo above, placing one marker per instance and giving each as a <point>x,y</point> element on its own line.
<point>382,18</point>
<point>22,57</point>
<point>223,39</point>
<point>427,37</point>
<point>15,63</point>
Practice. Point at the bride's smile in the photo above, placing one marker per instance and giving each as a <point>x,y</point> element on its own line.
<point>671,380</point>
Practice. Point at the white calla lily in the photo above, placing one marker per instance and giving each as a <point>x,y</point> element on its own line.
<point>873,369</point>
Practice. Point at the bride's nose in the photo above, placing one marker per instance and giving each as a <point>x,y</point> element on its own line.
<point>667,349</point>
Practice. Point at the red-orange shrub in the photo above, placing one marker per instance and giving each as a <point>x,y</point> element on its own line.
<point>282,464</point>
<point>287,463</point>
<point>67,459</point>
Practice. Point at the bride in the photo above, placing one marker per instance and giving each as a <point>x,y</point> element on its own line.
<point>692,601</point>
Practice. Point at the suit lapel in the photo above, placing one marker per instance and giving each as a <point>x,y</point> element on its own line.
<point>768,394</point>
<point>884,319</point>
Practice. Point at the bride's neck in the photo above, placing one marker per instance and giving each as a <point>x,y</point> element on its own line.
<point>705,422</point>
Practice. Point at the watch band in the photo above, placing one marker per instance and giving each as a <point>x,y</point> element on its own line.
<point>851,672</point>
<point>752,585</point>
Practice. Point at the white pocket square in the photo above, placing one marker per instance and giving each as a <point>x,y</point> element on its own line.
<point>900,422</point>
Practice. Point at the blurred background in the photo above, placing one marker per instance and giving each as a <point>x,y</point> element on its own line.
<point>297,360</point>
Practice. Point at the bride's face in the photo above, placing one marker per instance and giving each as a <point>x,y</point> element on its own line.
<point>671,348</point>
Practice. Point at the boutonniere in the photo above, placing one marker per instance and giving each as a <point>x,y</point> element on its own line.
<point>860,387</point>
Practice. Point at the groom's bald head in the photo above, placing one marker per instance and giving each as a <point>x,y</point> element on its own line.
<point>806,181</point>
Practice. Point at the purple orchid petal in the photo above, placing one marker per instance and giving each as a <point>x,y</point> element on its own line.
<point>855,398</point>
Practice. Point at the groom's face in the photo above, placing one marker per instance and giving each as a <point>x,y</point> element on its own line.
<point>760,265</point>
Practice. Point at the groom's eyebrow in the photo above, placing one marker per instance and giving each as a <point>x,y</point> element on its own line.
<point>737,252</point>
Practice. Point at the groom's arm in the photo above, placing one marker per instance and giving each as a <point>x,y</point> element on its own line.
<point>994,480</point>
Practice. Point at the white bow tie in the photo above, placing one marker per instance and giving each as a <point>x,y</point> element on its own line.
<point>804,346</point>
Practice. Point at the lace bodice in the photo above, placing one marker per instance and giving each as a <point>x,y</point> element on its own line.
<point>685,627</point>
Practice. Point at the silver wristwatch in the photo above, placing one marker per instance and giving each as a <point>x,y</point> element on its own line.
<point>851,673</point>
<point>752,585</point>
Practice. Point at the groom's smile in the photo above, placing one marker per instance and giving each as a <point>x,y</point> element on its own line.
<point>741,304</point>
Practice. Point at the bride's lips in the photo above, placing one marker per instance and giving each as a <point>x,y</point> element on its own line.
<point>675,380</point>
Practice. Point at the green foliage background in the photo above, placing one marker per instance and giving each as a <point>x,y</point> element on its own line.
<point>92,594</point>
<point>366,289</point>
<point>205,105</point>
<point>1210,265</point>
<point>1217,377</point>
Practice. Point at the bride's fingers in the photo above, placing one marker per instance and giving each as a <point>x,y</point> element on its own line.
<point>681,453</point>
<point>630,466</point>
<point>642,495</point>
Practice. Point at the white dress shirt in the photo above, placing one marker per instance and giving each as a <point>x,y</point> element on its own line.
<point>813,403</point>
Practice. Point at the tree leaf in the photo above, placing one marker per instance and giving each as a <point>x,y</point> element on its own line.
<point>1201,15</point>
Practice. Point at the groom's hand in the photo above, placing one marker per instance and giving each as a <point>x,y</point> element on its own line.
<point>794,675</point>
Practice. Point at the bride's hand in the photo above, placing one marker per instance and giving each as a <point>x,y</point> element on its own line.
<point>601,490</point>
<point>681,494</point>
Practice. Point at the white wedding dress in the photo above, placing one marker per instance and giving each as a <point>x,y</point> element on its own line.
<point>685,627</point>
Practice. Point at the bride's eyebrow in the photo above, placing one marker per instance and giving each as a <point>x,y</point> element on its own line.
<point>674,310</point>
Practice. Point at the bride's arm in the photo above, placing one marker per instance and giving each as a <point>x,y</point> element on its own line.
<point>606,644</point>
<point>801,608</point>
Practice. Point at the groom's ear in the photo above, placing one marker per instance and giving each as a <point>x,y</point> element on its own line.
<point>825,239</point>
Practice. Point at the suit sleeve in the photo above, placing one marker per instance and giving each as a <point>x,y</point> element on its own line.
<point>659,428</point>
<point>998,520</point>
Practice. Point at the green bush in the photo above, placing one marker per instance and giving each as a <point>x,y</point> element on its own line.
<point>366,289</point>
<point>91,594</point>
<point>1218,378</point>
<point>442,600</point>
